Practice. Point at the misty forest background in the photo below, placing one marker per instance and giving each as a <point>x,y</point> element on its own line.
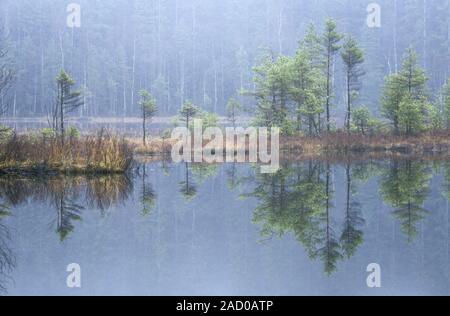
<point>202,50</point>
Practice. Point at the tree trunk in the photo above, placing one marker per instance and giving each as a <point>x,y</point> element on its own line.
<point>143,128</point>
<point>395,37</point>
<point>61,112</point>
<point>133,79</point>
<point>328,91</point>
<point>349,102</point>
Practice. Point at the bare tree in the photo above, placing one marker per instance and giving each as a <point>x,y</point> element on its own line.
<point>6,72</point>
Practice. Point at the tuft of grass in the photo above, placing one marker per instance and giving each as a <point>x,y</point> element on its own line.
<point>101,153</point>
<point>154,147</point>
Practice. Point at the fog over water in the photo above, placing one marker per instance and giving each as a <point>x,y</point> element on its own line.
<point>234,232</point>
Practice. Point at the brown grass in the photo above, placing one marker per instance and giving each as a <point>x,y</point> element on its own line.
<point>102,153</point>
<point>154,147</point>
<point>344,143</point>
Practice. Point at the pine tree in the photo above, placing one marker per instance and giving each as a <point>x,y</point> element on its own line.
<point>411,115</point>
<point>353,57</point>
<point>307,91</point>
<point>391,99</point>
<point>273,80</point>
<point>404,100</point>
<point>312,43</point>
<point>412,78</point>
<point>330,47</point>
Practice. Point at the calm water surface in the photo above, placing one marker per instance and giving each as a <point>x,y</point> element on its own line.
<point>167,229</point>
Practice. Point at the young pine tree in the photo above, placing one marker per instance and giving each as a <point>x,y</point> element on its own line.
<point>188,112</point>
<point>361,119</point>
<point>404,100</point>
<point>67,101</point>
<point>149,109</point>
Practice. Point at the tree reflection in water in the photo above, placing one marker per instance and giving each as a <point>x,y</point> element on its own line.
<point>148,196</point>
<point>315,201</point>
<point>299,199</point>
<point>187,187</point>
<point>68,196</point>
<point>7,259</point>
<point>404,186</point>
<point>352,233</point>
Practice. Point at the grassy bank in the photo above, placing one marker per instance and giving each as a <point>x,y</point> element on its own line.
<point>344,143</point>
<point>339,144</point>
<point>34,154</point>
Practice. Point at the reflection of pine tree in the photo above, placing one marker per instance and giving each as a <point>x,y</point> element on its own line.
<point>446,167</point>
<point>232,178</point>
<point>203,172</point>
<point>187,187</point>
<point>64,193</point>
<point>351,236</point>
<point>298,199</point>
<point>272,192</point>
<point>68,211</point>
<point>7,260</point>
<point>405,188</point>
<point>329,248</point>
<point>409,214</point>
<point>309,198</point>
<point>148,195</point>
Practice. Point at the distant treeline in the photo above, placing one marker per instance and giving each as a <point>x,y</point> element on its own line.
<point>202,51</point>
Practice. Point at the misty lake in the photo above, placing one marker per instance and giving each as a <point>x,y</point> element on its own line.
<point>183,229</point>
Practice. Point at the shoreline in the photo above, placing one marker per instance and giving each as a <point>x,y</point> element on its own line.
<point>109,155</point>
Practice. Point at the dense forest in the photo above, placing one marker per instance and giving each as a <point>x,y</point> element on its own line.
<point>205,51</point>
